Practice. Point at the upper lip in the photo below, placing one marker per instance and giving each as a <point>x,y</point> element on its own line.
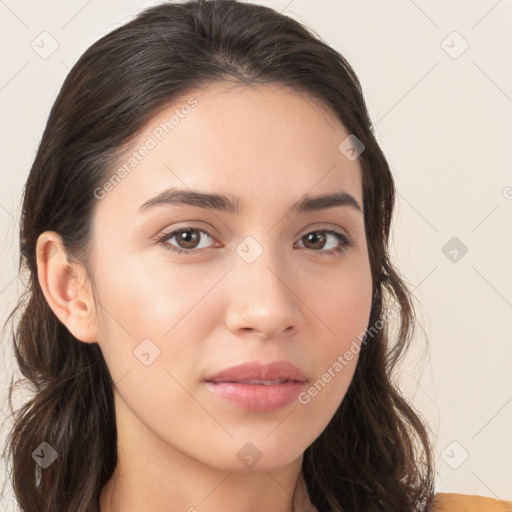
<point>254,370</point>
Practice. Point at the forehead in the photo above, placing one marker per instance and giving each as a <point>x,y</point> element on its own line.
<point>266,141</point>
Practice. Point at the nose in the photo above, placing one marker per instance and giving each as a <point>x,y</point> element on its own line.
<point>263,300</point>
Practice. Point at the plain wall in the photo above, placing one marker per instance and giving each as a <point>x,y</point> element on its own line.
<point>443,117</point>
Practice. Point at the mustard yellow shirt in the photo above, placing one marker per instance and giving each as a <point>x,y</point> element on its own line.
<point>453,502</point>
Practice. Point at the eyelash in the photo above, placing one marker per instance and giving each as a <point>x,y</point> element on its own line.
<point>165,236</point>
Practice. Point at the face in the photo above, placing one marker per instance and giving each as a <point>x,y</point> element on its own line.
<point>260,281</point>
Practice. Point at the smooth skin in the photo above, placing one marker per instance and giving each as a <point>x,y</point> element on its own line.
<point>301,299</point>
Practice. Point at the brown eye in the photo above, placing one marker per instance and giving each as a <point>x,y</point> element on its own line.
<point>317,240</point>
<point>187,240</point>
<point>188,237</point>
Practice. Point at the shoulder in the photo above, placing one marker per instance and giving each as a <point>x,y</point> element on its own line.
<point>453,502</point>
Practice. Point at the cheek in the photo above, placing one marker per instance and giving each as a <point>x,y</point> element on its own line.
<point>151,320</point>
<point>342,303</point>
<point>141,300</point>
<point>336,361</point>
<point>149,330</point>
<point>344,311</point>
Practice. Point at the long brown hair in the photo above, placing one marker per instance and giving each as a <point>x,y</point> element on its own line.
<point>375,454</point>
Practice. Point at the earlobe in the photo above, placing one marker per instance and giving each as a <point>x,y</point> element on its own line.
<point>65,286</point>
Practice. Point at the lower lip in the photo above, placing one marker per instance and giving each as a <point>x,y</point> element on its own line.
<point>258,397</point>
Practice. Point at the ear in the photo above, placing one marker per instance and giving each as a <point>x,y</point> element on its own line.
<point>66,287</point>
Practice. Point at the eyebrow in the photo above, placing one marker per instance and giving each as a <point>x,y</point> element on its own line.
<point>225,203</point>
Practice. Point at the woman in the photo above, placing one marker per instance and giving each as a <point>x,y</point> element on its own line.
<point>211,305</point>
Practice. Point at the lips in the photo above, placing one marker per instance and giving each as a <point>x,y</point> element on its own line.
<point>258,387</point>
<point>254,372</point>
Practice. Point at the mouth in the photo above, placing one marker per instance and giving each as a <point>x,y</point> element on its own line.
<point>259,387</point>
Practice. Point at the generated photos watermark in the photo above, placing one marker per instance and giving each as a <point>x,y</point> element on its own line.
<point>152,140</point>
<point>343,360</point>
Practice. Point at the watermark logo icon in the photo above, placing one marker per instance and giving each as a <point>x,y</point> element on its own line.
<point>454,455</point>
<point>45,455</point>
<point>249,455</point>
<point>454,249</point>
<point>146,352</point>
<point>454,45</point>
<point>45,45</point>
<point>351,147</point>
<point>249,249</point>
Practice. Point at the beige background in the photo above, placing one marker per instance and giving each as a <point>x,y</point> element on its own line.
<point>443,117</point>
